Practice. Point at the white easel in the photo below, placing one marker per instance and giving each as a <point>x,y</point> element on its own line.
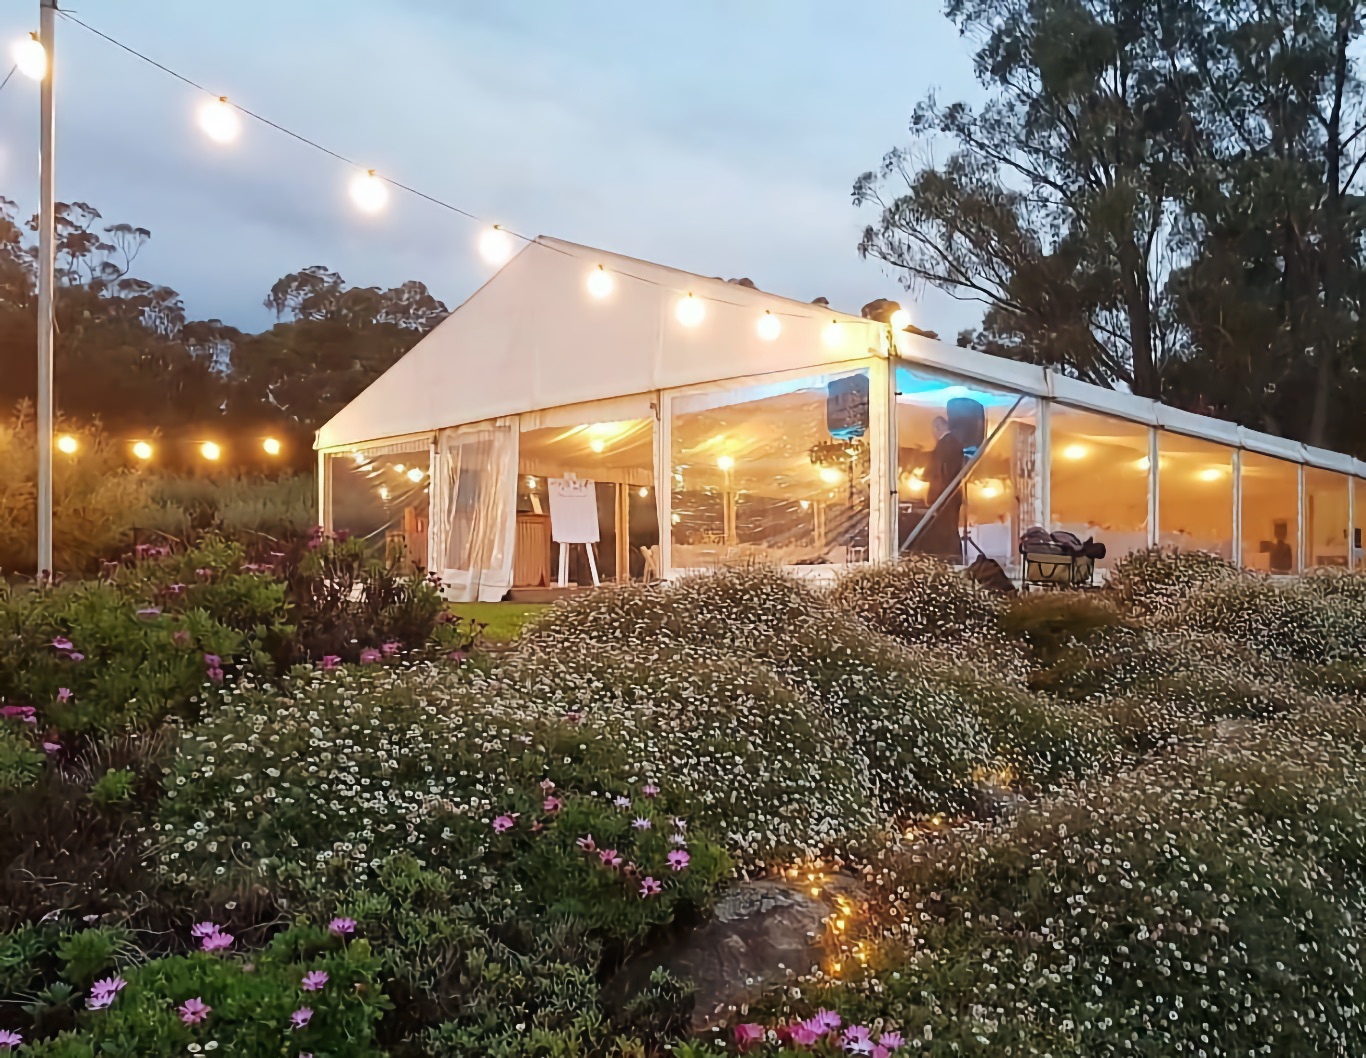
<point>574,520</point>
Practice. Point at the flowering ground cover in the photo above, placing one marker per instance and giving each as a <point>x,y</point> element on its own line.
<point>280,806</point>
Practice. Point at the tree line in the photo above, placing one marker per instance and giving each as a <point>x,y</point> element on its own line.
<point>1160,196</point>
<point>128,355</point>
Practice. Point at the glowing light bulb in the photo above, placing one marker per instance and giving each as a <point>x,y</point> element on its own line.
<point>1211,474</point>
<point>399,468</point>
<point>769,326</point>
<point>218,118</point>
<point>496,246</point>
<point>415,474</point>
<point>210,451</point>
<point>644,493</point>
<point>725,462</point>
<point>271,446</point>
<point>531,483</point>
<point>359,458</point>
<point>597,444</point>
<point>900,319</point>
<point>68,444</point>
<point>1074,452</point>
<point>690,311</point>
<point>384,492</point>
<point>600,282</point>
<point>368,192</point>
<point>1145,464</point>
<point>833,335</point>
<point>831,476</point>
<point>142,450</point>
<point>805,504</point>
<point>990,492</point>
<point>31,57</point>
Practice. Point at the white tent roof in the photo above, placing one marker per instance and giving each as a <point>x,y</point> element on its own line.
<point>533,338</point>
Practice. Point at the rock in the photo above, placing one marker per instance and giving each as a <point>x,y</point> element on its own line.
<point>759,935</point>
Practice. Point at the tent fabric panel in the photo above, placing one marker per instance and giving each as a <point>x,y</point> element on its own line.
<point>1270,445</point>
<point>1326,460</point>
<point>996,370</point>
<point>612,409</point>
<point>1201,427</point>
<point>1086,397</point>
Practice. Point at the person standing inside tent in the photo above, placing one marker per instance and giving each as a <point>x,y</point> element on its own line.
<point>940,538</point>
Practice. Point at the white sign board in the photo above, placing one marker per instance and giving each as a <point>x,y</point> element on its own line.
<point>573,511</point>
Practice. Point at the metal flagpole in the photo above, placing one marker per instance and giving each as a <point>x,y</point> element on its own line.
<point>47,266</point>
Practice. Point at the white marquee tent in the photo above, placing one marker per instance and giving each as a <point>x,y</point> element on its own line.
<point>721,423</point>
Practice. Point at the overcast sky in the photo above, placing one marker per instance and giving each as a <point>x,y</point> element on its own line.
<point>719,136</point>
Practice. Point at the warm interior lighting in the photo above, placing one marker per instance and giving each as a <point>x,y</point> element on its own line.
<point>600,282</point>
<point>271,446</point>
<point>68,444</point>
<point>989,490</point>
<point>384,492</point>
<point>210,451</point>
<point>644,493</point>
<point>900,320</point>
<point>769,326</point>
<point>218,118</point>
<point>831,476</point>
<point>1211,474</point>
<point>142,450</point>
<point>689,311</point>
<point>368,192</point>
<point>31,57</point>
<point>1075,452</point>
<point>597,445</point>
<point>1145,464</point>
<point>725,462</point>
<point>415,474</point>
<point>833,335</point>
<point>495,246</point>
<point>399,468</point>
<point>531,483</point>
<point>805,504</point>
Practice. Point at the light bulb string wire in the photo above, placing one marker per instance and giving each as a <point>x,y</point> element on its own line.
<point>308,142</point>
<point>8,76</point>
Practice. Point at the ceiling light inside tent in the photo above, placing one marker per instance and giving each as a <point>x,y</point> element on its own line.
<point>1144,464</point>
<point>1074,452</point>
<point>218,118</point>
<point>68,444</point>
<point>831,476</point>
<point>833,335</point>
<point>384,492</point>
<point>725,462</point>
<point>31,57</point>
<point>142,450</point>
<point>644,493</point>
<point>769,326</point>
<point>690,311</point>
<point>600,282</point>
<point>271,446</point>
<point>900,319</point>
<point>1211,474</point>
<point>210,451</point>
<point>805,504</point>
<point>368,192</point>
<point>399,468</point>
<point>597,444</point>
<point>496,246</point>
<point>415,474</point>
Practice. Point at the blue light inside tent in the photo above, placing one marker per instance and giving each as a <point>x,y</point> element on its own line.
<point>920,389</point>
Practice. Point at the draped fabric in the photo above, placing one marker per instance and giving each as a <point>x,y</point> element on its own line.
<point>478,505</point>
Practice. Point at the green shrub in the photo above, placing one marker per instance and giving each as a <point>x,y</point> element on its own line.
<point>917,600</point>
<point>1050,622</point>
<point>251,1009</point>
<point>1153,583</point>
<point>114,786</point>
<point>21,759</point>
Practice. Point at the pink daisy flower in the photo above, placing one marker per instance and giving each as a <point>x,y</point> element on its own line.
<point>9,1040</point>
<point>342,927</point>
<point>217,942</point>
<point>301,1017</point>
<point>748,1034</point>
<point>587,843</point>
<point>314,981</point>
<point>193,1011</point>
<point>678,859</point>
<point>503,824</point>
<point>609,858</point>
<point>650,887</point>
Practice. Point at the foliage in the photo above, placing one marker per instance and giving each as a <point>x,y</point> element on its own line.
<point>21,760</point>
<point>1153,583</point>
<point>917,600</point>
<point>1050,622</point>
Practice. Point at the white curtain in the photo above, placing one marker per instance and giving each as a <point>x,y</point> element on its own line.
<point>478,504</point>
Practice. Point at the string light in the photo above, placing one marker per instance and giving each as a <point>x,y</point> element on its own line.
<point>833,335</point>
<point>597,445</point>
<point>496,246</point>
<point>831,476</point>
<point>31,57</point>
<point>725,462</point>
<point>900,320</point>
<point>219,120</point>
<point>690,311</point>
<point>368,192</point>
<point>644,493</point>
<point>415,474</point>
<point>210,451</point>
<point>68,444</point>
<point>600,282</point>
<point>271,446</point>
<point>1211,474</point>
<point>142,450</point>
<point>1074,452</point>
<point>769,326</point>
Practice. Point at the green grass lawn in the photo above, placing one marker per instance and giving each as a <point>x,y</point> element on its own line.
<point>505,620</point>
